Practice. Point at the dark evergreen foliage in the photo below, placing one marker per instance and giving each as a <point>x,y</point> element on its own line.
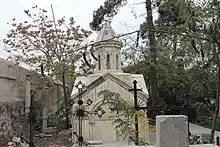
<point>109,9</point>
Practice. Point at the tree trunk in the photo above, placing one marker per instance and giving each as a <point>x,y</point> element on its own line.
<point>65,101</point>
<point>216,102</point>
<point>153,51</point>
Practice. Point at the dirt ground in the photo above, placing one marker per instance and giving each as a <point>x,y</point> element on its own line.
<point>65,141</point>
<point>54,141</point>
<point>57,141</point>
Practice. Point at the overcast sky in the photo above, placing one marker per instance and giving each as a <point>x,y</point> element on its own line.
<point>81,10</point>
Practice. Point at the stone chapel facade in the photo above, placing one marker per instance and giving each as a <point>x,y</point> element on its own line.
<point>107,76</point>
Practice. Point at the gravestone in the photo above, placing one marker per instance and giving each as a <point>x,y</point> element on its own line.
<point>171,131</point>
<point>45,116</point>
<point>27,94</point>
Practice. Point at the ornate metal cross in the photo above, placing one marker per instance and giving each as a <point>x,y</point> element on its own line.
<point>136,107</point>
<point>81,111</point>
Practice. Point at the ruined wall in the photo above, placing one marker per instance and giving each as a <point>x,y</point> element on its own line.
<point>12,82</point>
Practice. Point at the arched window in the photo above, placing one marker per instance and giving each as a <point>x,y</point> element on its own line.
<point>108,61</point>
<point>117,62</point>
<point>99,58</point>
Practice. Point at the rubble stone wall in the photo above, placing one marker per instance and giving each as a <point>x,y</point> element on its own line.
<point>10,125</point>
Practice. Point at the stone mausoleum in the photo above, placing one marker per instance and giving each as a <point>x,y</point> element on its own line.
<point>107,76</point>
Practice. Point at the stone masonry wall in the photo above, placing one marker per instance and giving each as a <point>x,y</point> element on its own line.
<point>10,125</point>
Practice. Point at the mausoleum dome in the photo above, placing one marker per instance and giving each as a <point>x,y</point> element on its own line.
<point>108,49</point>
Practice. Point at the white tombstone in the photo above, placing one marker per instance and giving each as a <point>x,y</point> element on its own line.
<point>27,94</point>
<point>171,131</point>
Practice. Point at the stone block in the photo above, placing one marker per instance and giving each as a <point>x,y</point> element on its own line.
<point>95,146</point>
<point>95,143</point>
<point>203,145</point>
<point>205,137</point>
<point>171,131</point>
<point>197,145</point>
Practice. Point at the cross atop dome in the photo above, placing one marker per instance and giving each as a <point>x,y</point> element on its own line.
<point>108,19</point>
<point>106,31</point>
